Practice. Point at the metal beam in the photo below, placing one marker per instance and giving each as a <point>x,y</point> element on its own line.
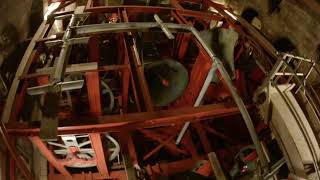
<point>139,70</point>
<point>153,9</point>
<point>77,68</point>
<point>115,123</point>
<point>97,146</point>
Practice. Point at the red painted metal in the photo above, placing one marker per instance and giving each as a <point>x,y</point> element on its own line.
<point>3,161</point>
<point>42,80</point>
<point>183,45</point>
<point>139,68</point>
<point>158,148</point>
<point>127,76</point>
<point>131,149</point>
<point>205,169</point>
<point>99,154</point>
<point>171,168</point>
<point>116,123</point>
<point>188,144</point>
<point>12,169</point>
<point>170,146</point>
<point>49,156</point>
<point>134,89</point>
<point>203,137</point>
<point>93,88</point>
<point>199,70</point>
<point>197,76</point>
<point>240,83</point>
<point>124,58</point>
<point>93,80</point>
<point>178,17</point>
<point>217,93</point>
<point>251,157</point>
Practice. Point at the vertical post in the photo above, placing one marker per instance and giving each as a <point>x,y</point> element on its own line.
<point>203,137</point>
<point>51,170</point>
<point>12,169</point>
<point>124,50</point>
<point>132,150</point>
<point>140,71</point>
<point>125,88</point>
<point>97,146</point>
<point>12,163</point>
<point>93,88</point>
<point>93,80</point>
<point>3,161</point>
<point>183,45</point>
<point>129,155</point>
<point>125,72</point>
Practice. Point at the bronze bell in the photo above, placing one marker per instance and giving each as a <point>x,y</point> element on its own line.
<point>167,80</point>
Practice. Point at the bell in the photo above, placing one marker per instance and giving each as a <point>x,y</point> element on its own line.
<point>167,80</point>
<point>222,41</point>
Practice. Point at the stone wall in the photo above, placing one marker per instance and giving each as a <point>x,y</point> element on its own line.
<point>18,21</point>
<point>292,20</point>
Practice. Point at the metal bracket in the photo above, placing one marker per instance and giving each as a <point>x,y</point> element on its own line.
<point>73,41</point>
<point>164,28</point>
<point>61,86</point>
